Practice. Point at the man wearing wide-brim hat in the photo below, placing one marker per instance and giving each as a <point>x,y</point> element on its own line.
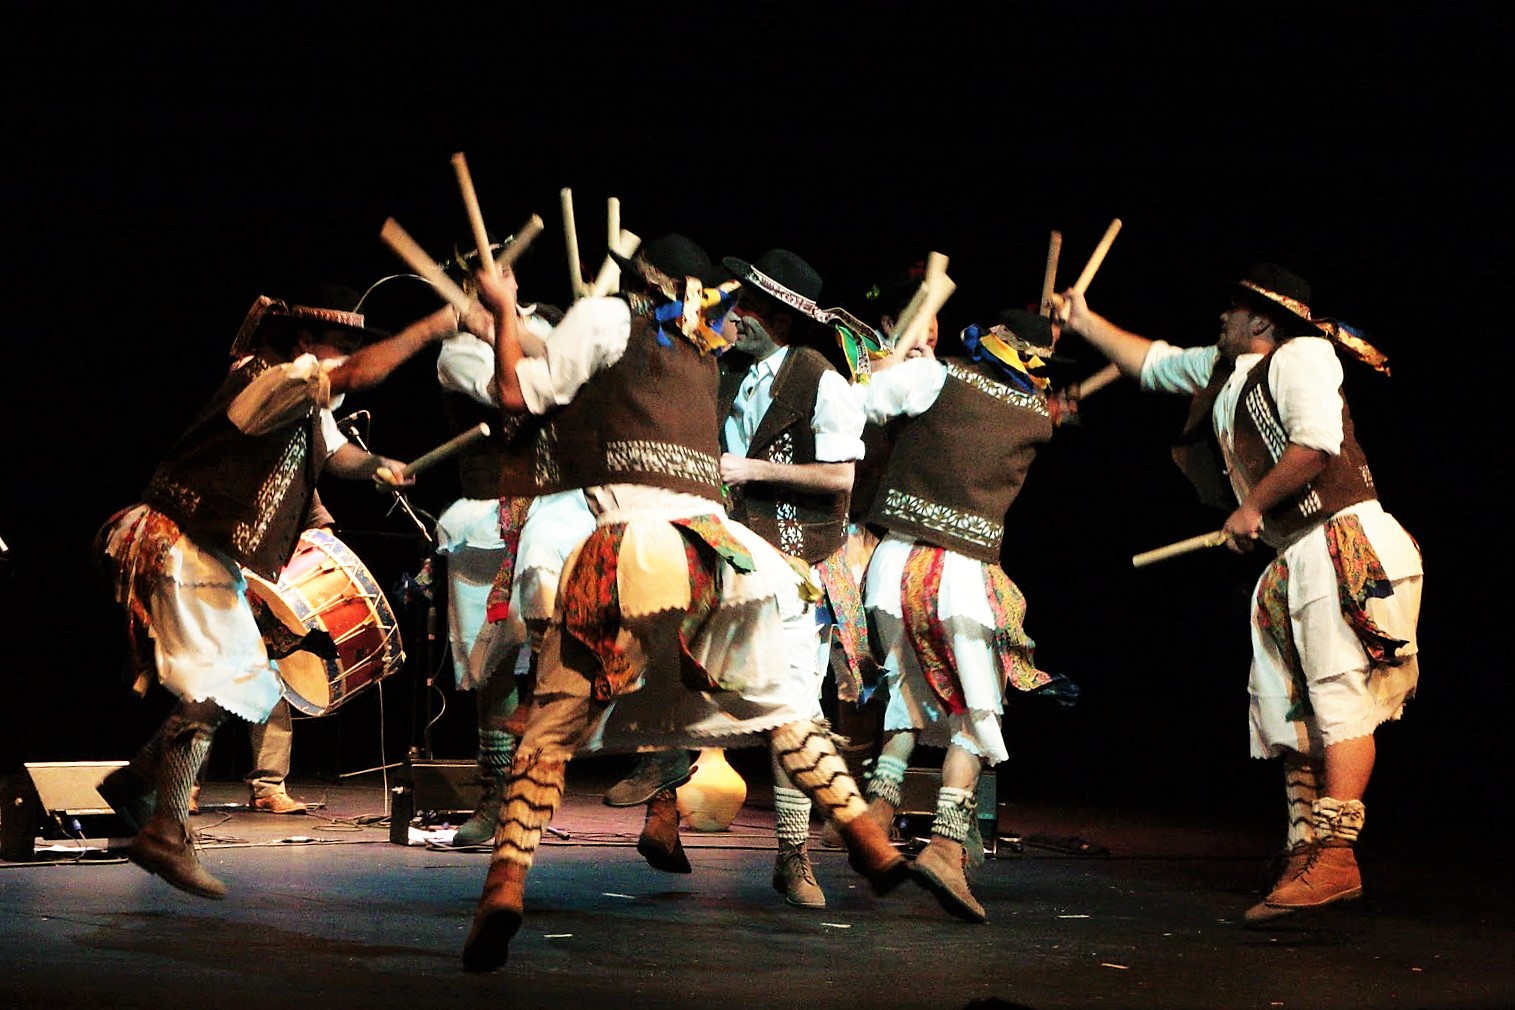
<point>1334,652</point>
<point>232,493</point>
<point>673,621</point>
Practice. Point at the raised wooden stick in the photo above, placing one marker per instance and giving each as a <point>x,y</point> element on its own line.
<point>937,293</point>
<point>408,250</point>
<point>1049,275</point>
<point>1099,380</point>
<point>449,448</point>
<point>1082,284</point>
<point>528,231</point>
<point>1200,542</point>
<point>610,271</point>
<point>571,238</point>
<point>475,216</point>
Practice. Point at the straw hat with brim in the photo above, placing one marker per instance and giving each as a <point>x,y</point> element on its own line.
<point>1281,295</point>
<point>782,276</point>
<point>670,256</point>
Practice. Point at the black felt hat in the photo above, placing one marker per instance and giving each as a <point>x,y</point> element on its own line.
<point>671,256</point>
<point>780,275</point>
<point>275,322</point>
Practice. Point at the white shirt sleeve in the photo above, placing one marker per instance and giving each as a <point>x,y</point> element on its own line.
<point>282,394</point>
<point>909,388</point>
<point>1305,378</point>
<point>1169,369</point>
<point>591,337</point>
<point>837,421</point>
<point>465,364</point>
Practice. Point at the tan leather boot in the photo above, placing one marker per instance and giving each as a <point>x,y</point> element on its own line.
<point>163,847</point>
<point>794,877</point>
<point>497,917</point>
<point>1330,874</point>
<point>940,867</point>
<point>660,844</point>
<point>1298,857</point>
<point>869,853</point>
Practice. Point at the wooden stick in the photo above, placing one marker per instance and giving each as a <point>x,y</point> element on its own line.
<point>1049,275</point>
<point>408,250</point>
<point>1082,284</point>
<point>936,266</point>
<point>1200,542</point>
<point>528,231</point>
<point>571,238</point>
<point>937,293</point>
<point>613,220</point>
<point>475,216</point>
<point>1099,380</point>
<point>610,271</point>
<point>451,447</point>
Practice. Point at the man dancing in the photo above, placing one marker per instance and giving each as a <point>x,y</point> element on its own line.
<point>673,623</point>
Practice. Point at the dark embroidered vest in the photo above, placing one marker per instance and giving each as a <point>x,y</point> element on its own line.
<point>245,495</point>
<point>648,419</point>
<point>807,525</point>
<point>956,468</point>
<point>1260,441</point>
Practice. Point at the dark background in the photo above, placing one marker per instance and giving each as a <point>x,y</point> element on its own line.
<point>166,171</point>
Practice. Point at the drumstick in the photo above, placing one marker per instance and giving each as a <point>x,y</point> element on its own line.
<point>610,270</point>
<point>448,448</point>
<point>1082,284</point>
<point>400,241</point>
<point>1099,380</point>
<point>937,293</point>
<point>571,238</point>
<point>528,231</point>
<point>1200,542</point>
<point>475,217</point>
<point>1049,275</point>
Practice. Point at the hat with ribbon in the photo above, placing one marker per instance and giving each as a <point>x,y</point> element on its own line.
<point>1019,345</point>
<point>782,276</point>
<point>1285,298</point>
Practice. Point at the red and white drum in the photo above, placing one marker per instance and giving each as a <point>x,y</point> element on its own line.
<point>325,587</point>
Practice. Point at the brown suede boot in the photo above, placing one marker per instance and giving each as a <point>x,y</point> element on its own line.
<point>660,844</point>
<point>869,853</point>
<point>940,867</point>
<point>1297,859</point>
<point>794,877</point>
<point>497,918</point>
<point>1330,874</point>
<point>163,847</point>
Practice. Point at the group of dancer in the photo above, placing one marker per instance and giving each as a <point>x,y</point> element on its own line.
<point>658,551</point>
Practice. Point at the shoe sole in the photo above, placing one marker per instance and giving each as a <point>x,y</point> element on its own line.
<point>660,859</point>
<point>950,902</point>
<point>645,797</point>
<point>1351,895</point>
<point>490,947</point>
<point>181,885</point>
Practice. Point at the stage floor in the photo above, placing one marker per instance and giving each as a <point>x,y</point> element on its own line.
<point>325,911</point>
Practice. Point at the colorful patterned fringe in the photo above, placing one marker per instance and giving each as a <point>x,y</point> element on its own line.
<point>847,611</point>
<point>512,520</point>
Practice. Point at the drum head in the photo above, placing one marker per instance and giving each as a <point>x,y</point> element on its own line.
<point>307,683</point>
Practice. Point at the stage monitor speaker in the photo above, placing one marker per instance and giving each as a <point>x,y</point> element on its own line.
<point>55,800</point>
<point>918,804</point>
<point>433,792</point>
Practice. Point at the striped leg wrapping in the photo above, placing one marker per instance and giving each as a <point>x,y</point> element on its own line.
<point>1338,820</point>
<point>531,798</point>
<point>888,780</point>
<point>955,810</point>
<point>792,808</point>
<point>1302,789</point>
<point>809,758</point>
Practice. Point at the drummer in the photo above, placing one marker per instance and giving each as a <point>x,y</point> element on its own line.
<point>232,493</point>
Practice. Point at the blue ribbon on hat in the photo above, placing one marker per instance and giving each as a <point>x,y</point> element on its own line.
<point>972,340</point>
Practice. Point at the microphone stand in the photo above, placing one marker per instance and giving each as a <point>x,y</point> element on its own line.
<point>349,427</point>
